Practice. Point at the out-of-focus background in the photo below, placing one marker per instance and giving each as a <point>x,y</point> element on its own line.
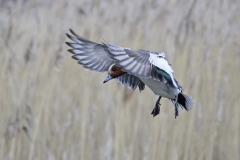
<point>52,108</point>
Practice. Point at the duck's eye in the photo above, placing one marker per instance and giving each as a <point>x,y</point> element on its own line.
<point>114,69</point>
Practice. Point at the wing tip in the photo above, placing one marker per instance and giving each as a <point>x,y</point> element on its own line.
<point>74,57</point>
<point>75,35</point>
<point>68,43</point>
<point>71,51</point>
<point>69,36</point>
<point>73,32</point>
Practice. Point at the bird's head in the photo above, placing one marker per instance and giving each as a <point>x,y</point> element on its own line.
<point>113,72</point>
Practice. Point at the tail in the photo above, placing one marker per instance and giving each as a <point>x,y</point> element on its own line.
<point>185,101</point>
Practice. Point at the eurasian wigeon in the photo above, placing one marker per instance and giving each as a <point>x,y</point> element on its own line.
<point>133,68</point>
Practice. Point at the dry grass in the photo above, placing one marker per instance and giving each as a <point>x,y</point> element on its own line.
<point>52,108</point>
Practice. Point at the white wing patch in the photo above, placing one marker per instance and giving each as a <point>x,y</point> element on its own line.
<point>159,61</point>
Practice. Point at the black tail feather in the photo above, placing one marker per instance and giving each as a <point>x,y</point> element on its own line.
<point>185,101</point>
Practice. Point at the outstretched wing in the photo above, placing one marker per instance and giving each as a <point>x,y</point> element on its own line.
<point>89,54</point>
<point>96,57</point>
<point>142,63</point>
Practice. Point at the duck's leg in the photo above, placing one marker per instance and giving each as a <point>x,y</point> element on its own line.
<point>156,109</point>
<point>176,108</point>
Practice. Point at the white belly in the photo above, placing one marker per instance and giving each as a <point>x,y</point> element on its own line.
<point>161,89</point>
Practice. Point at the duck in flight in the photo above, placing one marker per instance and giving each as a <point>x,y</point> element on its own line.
<point>133,68</point>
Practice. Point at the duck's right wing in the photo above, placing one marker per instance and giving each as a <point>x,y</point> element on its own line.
<point>131,81</point>
<point>89,54</point>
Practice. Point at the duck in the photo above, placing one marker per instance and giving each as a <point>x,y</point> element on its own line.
<point>132,68</point>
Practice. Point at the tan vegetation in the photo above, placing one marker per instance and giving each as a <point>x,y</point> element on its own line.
<point>52,108</point>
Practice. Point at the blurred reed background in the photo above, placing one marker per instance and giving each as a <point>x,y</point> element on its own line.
<point>52,108</point>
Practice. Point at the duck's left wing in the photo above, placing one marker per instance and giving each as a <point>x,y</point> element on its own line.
<point>142,63</point>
